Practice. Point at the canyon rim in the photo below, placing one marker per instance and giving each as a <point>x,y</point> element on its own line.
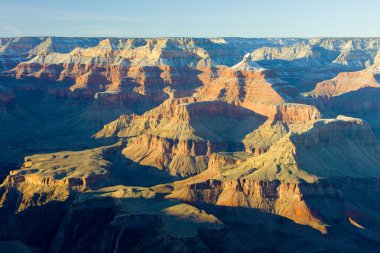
<point>187,143</point>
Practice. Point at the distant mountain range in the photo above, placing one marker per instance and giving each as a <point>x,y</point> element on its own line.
<point>190,144</point>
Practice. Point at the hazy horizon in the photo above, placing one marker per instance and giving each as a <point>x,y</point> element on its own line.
<point>167,18</point>
<point>189,126</point>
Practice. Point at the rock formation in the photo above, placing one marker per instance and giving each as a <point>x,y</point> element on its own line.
<point>189,144</point>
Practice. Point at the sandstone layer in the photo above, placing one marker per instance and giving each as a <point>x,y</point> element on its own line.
<point>190,144</point>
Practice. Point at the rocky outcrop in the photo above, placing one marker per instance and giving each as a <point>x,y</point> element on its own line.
<point>178,157</point>
<point>353,94</point>
<point>187,119</point>
<point>55,177</point>
<point>318,152</point>
<point>293,201</point>
<point>17,50</point>
<point>344,83</point>
<point>144,66</point>
<point>116,223</point>
<point>132,125</point>
<point>244,85</point>
<point>249,85</point>
<point>147,67</point>
<point>180,135</point>
<point>266,196</point>
<point>297,113</point>
<point>334,131</point>
<point>216,151</point>
<point>306,63</point>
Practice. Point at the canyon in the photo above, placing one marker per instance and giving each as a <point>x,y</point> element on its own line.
<point>190,144</point>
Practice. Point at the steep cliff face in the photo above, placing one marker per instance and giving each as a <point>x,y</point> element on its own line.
<point>337,130</point>
<point>117,64</point>
<point>132,125</point>
<point>178,157</point>
<point>249,85</point>
<point>77,57</point>
<point>186,119</point>
<point>306,63</point>
<point>246,82</point>
<point>295,174</point>
<point>122,218</point>
<point>214,149</point>
<point>136,66</point>
<point>273,197</point>
<point>344,83</point>
<point>16,50</point>
<point>350,51</point>
<point>130,69</point>
<point>289,113</point>
<point>353,94</point>
<point>180,138</point>
<point>326,206</point>
<point>319,151</point>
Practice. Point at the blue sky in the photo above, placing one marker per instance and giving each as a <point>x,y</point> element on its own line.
<point>196,18</point>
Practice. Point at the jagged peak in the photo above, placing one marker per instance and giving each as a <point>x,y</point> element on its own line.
<point>105,43</point>
<point>43,48</point>
<point>247,64</point>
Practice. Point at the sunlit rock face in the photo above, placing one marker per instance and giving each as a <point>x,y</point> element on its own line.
<point>311,61</point>
<point>190,144</point>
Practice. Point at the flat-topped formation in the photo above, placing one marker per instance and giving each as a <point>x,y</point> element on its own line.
<point>190,144</point>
